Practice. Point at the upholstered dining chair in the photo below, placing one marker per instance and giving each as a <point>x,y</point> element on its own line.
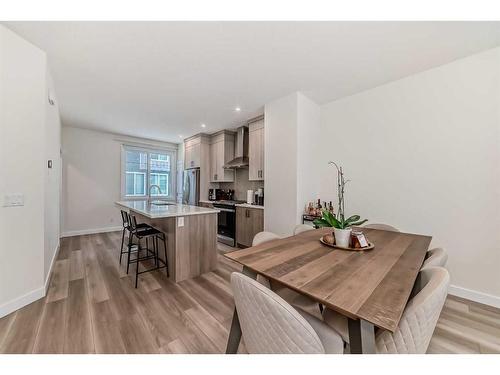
<point>263,237</point>
<point>436,257</point>
<point>301,228</point>
<point>381,227</point>
<point>269,325</point>
<point>418,322</point>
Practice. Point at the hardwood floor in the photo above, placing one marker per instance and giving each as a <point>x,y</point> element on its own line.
<point>92,307</point>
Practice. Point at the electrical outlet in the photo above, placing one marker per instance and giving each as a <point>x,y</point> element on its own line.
<point>180,221</point>
<point>13,200</point>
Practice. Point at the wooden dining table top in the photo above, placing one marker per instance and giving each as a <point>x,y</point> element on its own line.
<point>373,285</point>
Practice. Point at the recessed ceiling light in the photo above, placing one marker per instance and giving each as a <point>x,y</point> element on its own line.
<point>237,109</point>
<point>203,126</point>
<point>180,136</point>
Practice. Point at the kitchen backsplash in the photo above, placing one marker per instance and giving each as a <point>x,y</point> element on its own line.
<point>241,184</point>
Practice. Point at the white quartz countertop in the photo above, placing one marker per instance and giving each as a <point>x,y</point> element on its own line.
<point>153,211</point>
<point>250,206</point>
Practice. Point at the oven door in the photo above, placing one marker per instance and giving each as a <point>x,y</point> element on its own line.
<point>226,224</point>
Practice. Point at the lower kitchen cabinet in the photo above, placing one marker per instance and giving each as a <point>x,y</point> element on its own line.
<point>249,222</point>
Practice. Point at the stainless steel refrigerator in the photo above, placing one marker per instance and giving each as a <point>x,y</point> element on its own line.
<point>191,189</point>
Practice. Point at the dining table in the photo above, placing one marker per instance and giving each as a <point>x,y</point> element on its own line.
<point>369,287</point>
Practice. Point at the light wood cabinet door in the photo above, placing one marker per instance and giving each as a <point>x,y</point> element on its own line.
<point>221,152</point>
<point>192,156</point>
<point>249,222</point>
<point>213,162</point>
<point>256,151</point>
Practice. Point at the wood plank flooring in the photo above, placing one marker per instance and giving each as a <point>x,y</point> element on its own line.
<point>92,307</point>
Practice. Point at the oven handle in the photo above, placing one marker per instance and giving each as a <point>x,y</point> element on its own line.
<point>224,209</point>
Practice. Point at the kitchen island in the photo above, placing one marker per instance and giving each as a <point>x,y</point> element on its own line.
<point>191,234</point>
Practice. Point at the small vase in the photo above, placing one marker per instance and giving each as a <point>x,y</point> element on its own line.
<point>342,237</point>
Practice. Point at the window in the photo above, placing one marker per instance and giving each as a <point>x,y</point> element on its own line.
<point>145,170</point>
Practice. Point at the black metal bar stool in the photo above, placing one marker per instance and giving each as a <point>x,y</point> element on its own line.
<point>150,233</point>
<point>126,228</point>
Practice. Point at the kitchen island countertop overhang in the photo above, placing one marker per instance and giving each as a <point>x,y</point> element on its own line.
<point>191,242</point>
<point>154,211</point>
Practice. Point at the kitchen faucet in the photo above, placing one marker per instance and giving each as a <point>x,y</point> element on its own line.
<point>156,186</point>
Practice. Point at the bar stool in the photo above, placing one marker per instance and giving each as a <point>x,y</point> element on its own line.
<point>126,228</point>
<point>150,233</point>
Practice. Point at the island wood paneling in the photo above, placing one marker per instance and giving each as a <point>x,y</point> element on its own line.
<point>372,285</point>
<point>191,248</point>
<point>191,316</point>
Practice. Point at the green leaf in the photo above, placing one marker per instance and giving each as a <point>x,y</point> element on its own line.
<point>337,224</point>
<point>328,217</point>
<point>358,223</point>
<point>321,223</point>
<point>353,218</point>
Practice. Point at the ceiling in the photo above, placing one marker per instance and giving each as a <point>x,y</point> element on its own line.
<point>161,80</point>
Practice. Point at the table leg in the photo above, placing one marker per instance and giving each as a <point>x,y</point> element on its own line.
<point>233,341</point>
<point>361,336</point>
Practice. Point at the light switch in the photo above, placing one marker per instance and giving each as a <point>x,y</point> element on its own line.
<point>180,221</point>
<point>13,200</point>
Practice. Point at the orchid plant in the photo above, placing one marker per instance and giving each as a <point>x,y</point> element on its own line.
<point>338,220</point>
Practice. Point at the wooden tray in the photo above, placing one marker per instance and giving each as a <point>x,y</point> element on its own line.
<point>369,247</point>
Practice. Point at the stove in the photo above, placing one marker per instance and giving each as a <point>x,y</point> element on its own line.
<point>226,221</point>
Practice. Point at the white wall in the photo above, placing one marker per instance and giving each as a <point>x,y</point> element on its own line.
<point>309,164</point>
<point>22,165</point>
<point>91,178</point>
<point>292,126</point>
<point>423,155</point>
<point>52,181</point>
<point>280,138</point>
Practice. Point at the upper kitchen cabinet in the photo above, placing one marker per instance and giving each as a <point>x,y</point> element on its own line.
<point>221,152</point>
<point>256,150</point>
<point>193,150</point>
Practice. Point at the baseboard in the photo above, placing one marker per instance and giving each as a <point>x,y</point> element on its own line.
<point>22,301</point>
<point>473,295</point>
<point>90,231</point>
<point>49,274</point>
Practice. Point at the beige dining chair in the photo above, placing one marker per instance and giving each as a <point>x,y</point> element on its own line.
<point>302,228</point>
<point>269,325</point>
<point>418,322</point>
<point>381,227</point>
<point>263,237</point>
<point>436,257</point>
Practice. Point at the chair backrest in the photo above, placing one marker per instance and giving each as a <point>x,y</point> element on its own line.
<point>382,227</point>
<point>132,222</point>
<point>125,219</point>
<point>420,317</point>
<point>269,325</point>
<point>262,237</point>
<point>436,257</point>
<point>301,228</point>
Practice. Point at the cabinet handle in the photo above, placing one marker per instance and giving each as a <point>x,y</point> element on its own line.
<point>247,213</point>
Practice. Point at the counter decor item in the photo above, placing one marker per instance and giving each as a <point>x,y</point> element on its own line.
<point>329,240</point>
<point>341,226</point>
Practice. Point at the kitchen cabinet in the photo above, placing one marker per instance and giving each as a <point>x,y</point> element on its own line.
<point>221,152</point>
<point>192,153</point>
<point>256,150</point>
<point>249,222</point>
<point>197,155</point>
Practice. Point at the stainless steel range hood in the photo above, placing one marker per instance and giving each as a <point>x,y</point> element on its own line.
<point>241,152</point>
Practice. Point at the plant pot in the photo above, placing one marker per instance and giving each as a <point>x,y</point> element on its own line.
<point>342,237</point>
